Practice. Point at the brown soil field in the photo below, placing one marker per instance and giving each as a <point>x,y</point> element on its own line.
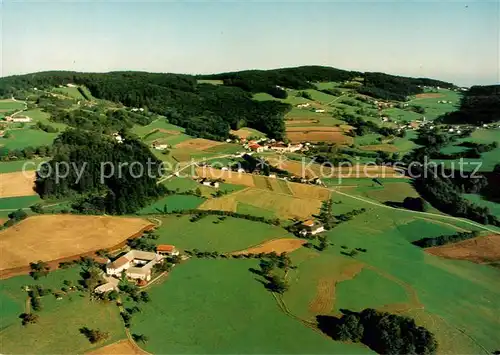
<point>122,347</point>
<point>228,176</point>
<point>324,300</point>
<point>298,122</point>
<point>277,245</point>
<point>57,237</point>
<point>314,129</point>
<point>168,131</point>
<point>197,144</point>
<point>428,96</point>
<point>309,191</point>
<point>17,184</point>
<point>479,250</point>
<point>383,147</point>
<point>319,136</point>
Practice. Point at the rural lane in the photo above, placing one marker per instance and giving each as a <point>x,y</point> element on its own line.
<point>416,212</point>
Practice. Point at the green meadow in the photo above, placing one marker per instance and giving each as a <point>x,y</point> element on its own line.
<point>173,203</point>
<point>17,165</point>
<point>27,137</point>
<point>10,105</point>
<point>18,202</point>
<point>57,330</point>
<point>214,234</point>
<point>218,306</point>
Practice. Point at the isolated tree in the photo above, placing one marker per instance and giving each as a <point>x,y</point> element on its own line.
<point>29,318</point>
<point>277,284</point>
<point>94,335</point>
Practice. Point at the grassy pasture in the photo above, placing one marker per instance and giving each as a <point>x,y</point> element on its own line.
<point>444,291</point>
<point>57,331</point>
<point>212,82</point>
<point>18,202</point>
<point>26,137</point>
<point>39,116</point>
<point>488,160</point>
<point>212,234</point>
<point>173,203</point>
<point>206,297</point>
<point>433,109</point>
<point>369,289</point>
<point>10,105</point>
<point>160,123</point>
<point>70,91</point>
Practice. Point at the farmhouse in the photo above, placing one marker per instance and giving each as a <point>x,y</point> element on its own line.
<point>311,227</point>
<point>319,110</point>
<point>210,183</point>
<point>158,146</point>
<point>118,138</point>
<point>166,249</point>
<point>303,105</point>
<point>18,119</point>
<point>282,147</point>
<point>136,264</point>
<point>256,148</point>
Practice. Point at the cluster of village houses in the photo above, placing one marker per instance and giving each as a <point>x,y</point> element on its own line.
<point>264,144</point>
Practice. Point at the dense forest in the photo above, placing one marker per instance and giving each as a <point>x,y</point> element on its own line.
<point>479,105</point>
<point>86,165</point>
<point>210,111</point>
<point>391,87</point>
<point>383,332</point>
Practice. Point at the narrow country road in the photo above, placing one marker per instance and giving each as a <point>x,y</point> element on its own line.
<point>416,212</point>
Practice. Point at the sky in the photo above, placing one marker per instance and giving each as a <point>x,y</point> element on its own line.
<point>448,40</point>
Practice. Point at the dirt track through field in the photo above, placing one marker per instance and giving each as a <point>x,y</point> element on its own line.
<point>17,184</point>
<point>277,245</point>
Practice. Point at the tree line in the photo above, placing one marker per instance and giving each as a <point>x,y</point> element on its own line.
<point>429,242</point>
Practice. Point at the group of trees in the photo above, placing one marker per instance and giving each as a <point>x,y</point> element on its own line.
<point>39,269</point>
<point>443,192</point>
<point>25,153</point>
<point>444,239</point>
<point>14,217</point>
<point>392,87</point>
<point>94,335</point>
<point>108,176</point>
<point>383,332</point>
<point>479,105</point>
